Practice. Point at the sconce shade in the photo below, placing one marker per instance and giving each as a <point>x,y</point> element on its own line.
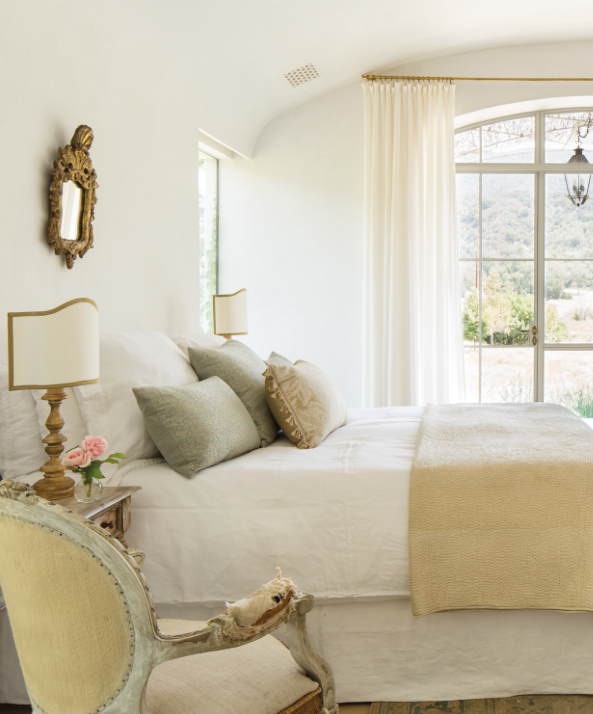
<point>55,348</point>
<point>230,313</point>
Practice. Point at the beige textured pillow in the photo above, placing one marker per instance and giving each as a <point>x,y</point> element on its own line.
<point>305,402</point>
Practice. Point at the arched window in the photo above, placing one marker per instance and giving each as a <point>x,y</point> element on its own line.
<point>526,258</point>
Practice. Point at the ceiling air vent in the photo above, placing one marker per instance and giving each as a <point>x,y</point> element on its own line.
<point>302,75</point>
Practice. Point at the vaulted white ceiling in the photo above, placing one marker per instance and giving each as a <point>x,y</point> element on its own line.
<point>224,60</point>
<point>240,50</point>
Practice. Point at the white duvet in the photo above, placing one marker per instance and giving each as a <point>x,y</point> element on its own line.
<point>334,518</point>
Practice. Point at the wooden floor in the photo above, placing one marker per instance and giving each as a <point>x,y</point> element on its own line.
<point>344,709</point>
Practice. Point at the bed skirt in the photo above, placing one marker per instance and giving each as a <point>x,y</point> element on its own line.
<point>379,652</point>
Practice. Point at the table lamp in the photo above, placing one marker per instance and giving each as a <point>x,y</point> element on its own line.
<point>230,314</point>
<point>51,350</point>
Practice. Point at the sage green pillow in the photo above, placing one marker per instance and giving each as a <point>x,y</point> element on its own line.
<point>242,370</point>
<point>198,425</point>
<point>275,358</point>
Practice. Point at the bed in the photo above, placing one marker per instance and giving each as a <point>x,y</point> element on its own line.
<point>335,519</point>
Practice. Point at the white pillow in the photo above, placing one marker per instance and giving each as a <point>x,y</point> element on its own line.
<point>130,359</point>
<point>74,427</point>
<point>21,450</point>
<point>184,342</point>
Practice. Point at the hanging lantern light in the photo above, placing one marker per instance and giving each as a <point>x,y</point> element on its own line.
<point>579,194</point>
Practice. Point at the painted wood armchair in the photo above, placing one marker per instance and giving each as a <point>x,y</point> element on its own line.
<point>89,641</point>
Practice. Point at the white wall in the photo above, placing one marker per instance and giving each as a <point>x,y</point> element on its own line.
<point>291,218</point>
<point>67,63</point>
<point>290,223</point>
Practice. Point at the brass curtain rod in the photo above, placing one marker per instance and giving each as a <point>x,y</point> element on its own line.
<point>373,77</point>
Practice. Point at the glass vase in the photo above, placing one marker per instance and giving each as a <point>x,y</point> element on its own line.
<point>88,492</point>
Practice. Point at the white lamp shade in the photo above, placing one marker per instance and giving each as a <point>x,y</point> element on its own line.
<point>55,348</point>
<point>230,313</point>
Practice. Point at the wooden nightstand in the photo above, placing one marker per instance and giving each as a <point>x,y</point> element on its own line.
<point>112,511</point>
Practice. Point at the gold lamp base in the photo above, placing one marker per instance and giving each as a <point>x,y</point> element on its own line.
<point>54,486</point>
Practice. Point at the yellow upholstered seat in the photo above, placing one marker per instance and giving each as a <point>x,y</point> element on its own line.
<point>262,675</point>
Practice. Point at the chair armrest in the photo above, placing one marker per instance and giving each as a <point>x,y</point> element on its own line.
<point>222,633</point>
<point>246,620</point>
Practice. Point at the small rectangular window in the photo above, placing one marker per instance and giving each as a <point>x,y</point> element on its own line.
<point>208,222</point>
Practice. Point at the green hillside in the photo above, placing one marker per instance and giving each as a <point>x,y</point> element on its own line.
<point>508,229</point>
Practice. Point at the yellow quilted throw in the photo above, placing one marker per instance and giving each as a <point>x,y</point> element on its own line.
<point>501,509</point>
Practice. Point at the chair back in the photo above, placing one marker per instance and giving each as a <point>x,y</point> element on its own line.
<point>78,606</point>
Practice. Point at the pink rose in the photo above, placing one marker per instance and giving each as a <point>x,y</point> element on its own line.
<point>94,445</point>
<point>77,457</point>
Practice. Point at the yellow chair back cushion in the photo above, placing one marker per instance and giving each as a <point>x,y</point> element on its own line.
<point>69,618</point>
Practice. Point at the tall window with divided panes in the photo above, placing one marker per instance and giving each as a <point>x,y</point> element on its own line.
<point>526,258</point>
<point>208,221</point>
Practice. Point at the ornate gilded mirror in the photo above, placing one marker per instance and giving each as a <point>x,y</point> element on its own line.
<point>72,198</point>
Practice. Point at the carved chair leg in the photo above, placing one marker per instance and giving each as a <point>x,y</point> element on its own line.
<point>302,652</point>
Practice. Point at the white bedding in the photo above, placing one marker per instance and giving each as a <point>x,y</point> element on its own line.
<point>342,510</point>
<point>334,518</point>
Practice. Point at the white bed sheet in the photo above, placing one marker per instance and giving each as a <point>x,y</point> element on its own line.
<point>334,518</point>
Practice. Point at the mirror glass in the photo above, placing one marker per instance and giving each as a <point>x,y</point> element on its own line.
<point>71,208</point>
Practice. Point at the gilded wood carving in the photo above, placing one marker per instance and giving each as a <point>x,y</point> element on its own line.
<point>72,206</point>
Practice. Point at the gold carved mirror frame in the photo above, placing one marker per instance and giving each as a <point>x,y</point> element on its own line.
<point>73,164</point>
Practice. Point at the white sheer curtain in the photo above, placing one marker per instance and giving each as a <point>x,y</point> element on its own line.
<point>413,345</point>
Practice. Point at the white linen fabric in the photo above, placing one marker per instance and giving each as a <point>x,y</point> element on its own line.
<point>334,518</point>
<point>413,351</point>
<point>21,450</point>
<point>379,652</point>
<point>109,408</point>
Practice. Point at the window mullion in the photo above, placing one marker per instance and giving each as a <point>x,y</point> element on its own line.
<point>479,261</point>
<point>539,136</point>
<point>540,296</point>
